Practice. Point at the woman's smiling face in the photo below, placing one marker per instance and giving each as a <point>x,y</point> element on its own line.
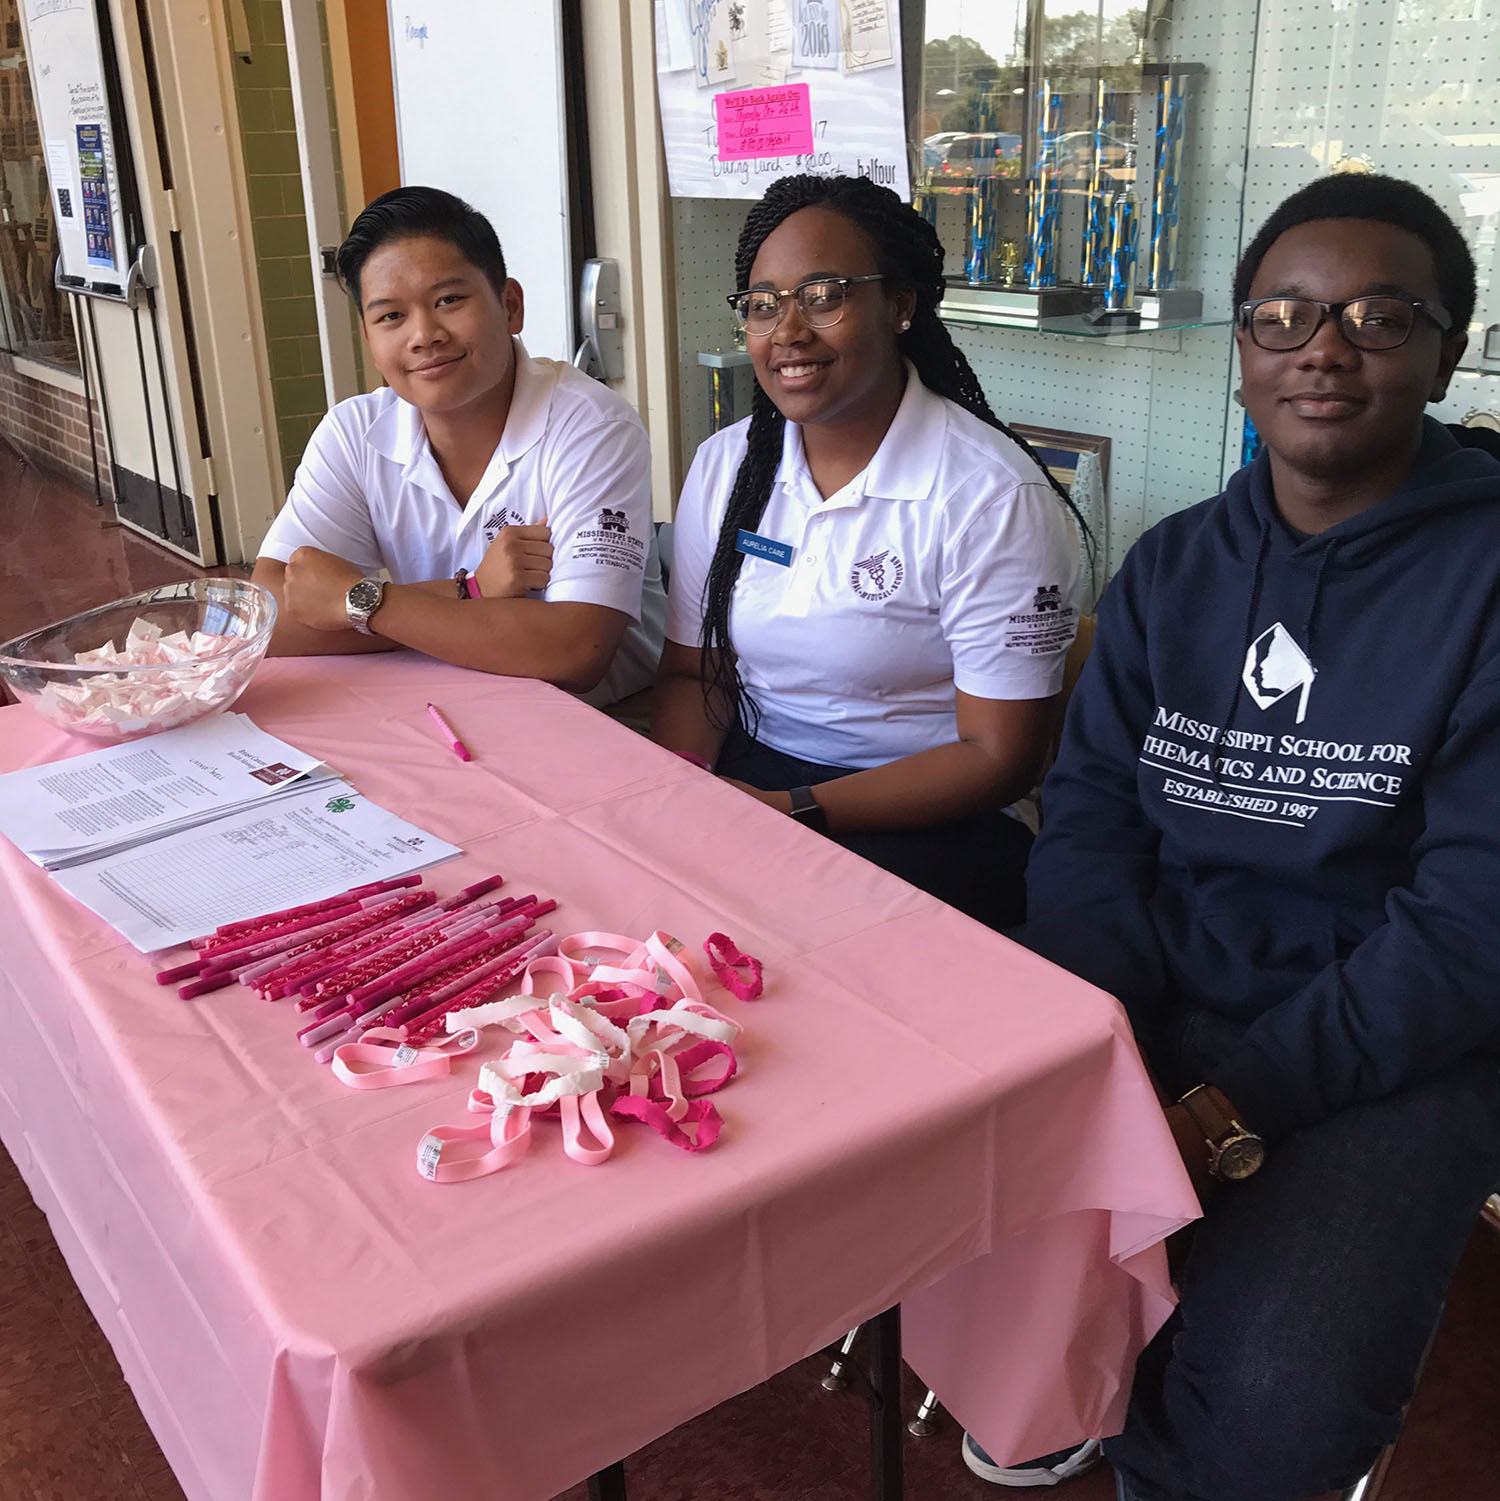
<point>826,375</point>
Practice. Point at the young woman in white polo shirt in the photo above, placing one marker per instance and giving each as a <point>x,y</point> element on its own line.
<point>871,599</point>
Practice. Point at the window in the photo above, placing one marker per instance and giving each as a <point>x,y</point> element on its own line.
<point>35,319</point>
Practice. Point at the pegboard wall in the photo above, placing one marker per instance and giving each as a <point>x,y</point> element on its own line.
<point>1290,86</point>
<point>1412,94</point>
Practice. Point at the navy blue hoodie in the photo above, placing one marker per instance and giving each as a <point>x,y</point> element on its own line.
<point>1278,793</point>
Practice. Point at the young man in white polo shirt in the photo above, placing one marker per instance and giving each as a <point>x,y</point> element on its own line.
<point>508,498</point>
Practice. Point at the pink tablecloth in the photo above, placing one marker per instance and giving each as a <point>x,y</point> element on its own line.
<point>301,1315</point>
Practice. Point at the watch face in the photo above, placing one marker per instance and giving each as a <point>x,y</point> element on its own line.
<point>365,595</point>
<point>1240,1157</point>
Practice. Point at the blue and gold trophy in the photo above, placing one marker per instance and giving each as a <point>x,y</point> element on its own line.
<point>1163,299</point>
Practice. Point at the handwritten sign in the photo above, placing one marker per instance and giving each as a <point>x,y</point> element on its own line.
<point>764,122</point>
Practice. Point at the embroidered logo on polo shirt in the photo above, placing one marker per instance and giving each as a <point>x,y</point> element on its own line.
<point>497,521</point>
<point>878,576</point>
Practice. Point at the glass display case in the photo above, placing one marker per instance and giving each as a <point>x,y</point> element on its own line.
<point>1271,95</point>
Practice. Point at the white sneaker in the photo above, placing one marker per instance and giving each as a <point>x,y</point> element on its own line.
<point>1049,1469</point>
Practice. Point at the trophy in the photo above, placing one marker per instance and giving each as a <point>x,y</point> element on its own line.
<point>1162,297</point>
<point>1119,310</point>
<point>989,292</point>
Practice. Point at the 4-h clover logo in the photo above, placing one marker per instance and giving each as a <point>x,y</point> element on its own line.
<point>339,804</point>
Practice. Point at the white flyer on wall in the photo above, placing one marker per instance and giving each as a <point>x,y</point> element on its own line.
<point>866,34</point>
<point>815,34</point>
<point>776,87</point>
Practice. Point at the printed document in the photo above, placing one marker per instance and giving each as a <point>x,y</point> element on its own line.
<point>112,799</point>
<point>307,845</point>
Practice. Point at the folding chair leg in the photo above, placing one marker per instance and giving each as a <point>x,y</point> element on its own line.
<point>921,1425</point>
<point>837,1379</point>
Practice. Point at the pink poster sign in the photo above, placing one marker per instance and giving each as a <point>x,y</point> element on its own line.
<point>764,122</point>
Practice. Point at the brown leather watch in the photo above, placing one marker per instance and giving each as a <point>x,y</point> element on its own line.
<point>1235,1152</point>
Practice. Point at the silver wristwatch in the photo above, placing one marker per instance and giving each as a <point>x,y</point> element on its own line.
<point>362,601</point>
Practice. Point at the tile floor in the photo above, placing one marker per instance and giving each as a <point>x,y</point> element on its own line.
<point>70,1429</point>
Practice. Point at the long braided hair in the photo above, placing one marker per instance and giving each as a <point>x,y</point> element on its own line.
<point>909,256</point>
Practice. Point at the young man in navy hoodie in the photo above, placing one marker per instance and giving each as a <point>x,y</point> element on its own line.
<point>1273,832</point>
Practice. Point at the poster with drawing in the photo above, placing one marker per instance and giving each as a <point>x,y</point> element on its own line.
<point>752,90</point>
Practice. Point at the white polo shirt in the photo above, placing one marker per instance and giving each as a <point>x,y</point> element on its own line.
<point>370,490</point>
<point>949,562</point>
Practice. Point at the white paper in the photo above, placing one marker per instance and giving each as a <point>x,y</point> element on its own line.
<point>815,34</point>
<point>674,45</point>
<point>60,176</point>
<point>778,26</point>
<point>75,809</point>
<point>713,42</point>
<point>304,847</point>
<point>859,121</point>
<point>867,34</point>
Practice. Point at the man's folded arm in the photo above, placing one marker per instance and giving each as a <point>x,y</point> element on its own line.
<point>561,642</point>
<point>293,639</point>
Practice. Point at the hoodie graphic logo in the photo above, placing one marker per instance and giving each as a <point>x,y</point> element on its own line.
<point>1276,666</point>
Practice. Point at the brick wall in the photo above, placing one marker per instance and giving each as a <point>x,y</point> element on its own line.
<point>50,425</point>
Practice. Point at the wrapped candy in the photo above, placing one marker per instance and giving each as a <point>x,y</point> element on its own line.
<point>207,671</point>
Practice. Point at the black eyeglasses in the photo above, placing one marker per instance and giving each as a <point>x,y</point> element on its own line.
<point>1283,323</point>
<point>821,302</point>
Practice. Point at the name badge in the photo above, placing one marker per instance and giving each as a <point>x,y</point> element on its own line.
<point>754,546</point>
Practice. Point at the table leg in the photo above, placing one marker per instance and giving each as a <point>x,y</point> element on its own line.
<point>609,1483</point>
<point>885,1406</point>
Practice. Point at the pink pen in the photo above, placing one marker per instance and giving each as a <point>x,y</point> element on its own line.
<point>391,883</point>
<point>362,928</point>
<point>362,1014</point>
<point>458,973</point>
<point>428,963</point>
<point>456,745</point>
<point>304,977</point>
<point>517,960</point>
<point>398,989</point>
<point>472,988</point>
<point>224,947</point>
<point>244,955</point>
<point>323,1002</point>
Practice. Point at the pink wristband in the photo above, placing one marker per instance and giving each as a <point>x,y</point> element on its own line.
<point>738,973</point>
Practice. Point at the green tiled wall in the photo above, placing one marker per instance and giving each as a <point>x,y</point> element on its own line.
<point>268,134</point>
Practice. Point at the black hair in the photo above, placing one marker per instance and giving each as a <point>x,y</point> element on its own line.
<point>909,256</point>
<point>1385,200</point>
<point>406,214</point>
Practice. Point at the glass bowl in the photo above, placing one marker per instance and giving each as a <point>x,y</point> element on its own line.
<point>225,626</point>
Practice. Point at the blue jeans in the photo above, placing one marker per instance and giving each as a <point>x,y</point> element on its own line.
<point>1309,1292</point>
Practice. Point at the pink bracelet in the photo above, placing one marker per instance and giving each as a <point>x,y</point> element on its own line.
<point>697,761</point>
<point>739,974</point>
